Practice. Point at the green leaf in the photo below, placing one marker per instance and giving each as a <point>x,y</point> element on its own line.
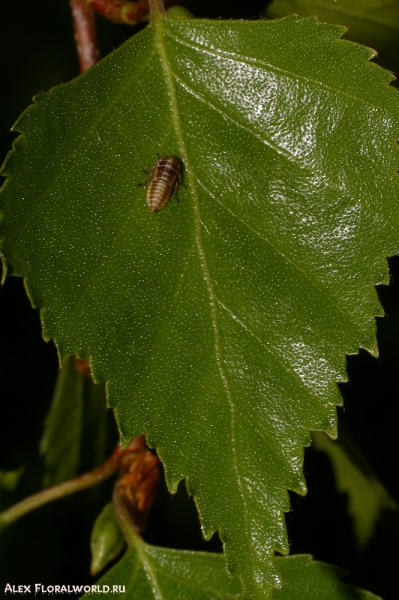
<point>367,497</point>
<point>98,431</point>
<point>60,444</point>
<point>106,540</point>
<point>179,12</point>
<point>221,323</point>
<point>150,573</point>
<point>77,414</point>
<point>305,579</point>
<point>371,22</point>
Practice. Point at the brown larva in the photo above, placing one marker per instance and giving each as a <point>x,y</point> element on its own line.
<point>165,179</point>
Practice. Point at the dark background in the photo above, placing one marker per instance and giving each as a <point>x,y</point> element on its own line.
<point>51,545</point>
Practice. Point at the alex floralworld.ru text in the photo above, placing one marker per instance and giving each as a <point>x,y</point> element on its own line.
<point>39,588</point>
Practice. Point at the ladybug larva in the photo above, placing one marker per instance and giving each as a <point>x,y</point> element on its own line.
<point>165,179</point>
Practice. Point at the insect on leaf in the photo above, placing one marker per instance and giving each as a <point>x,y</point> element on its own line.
<point>220,323</point>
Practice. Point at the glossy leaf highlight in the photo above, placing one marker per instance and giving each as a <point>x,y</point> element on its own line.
<point>151,573</point>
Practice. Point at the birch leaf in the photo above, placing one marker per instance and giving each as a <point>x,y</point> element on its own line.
<point>220,323</point>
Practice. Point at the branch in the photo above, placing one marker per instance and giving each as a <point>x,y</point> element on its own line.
<point>85,33</point>
<point>66,488</point>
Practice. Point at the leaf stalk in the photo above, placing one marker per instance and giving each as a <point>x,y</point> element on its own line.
<point>66,488</point>
<point>157,10</point>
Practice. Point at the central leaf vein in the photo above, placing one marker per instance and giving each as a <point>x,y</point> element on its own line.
<point>197,223</point>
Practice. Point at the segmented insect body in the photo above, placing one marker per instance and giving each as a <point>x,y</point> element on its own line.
<point>165,181</point>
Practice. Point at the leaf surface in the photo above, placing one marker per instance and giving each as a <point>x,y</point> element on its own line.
<point>153,573</point>
<point>304,578</point>
<point>220,323</point>
<point>106,540</point>
<point>60,444</point>
<point>75,431</point>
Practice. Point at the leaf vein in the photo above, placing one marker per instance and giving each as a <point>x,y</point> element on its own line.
<point>267,142</point>
<point>279,252</point>
<point>195,585</point>
<point>265,65</point>
<point>275,355</point>
<point>206,274</point>
<point>134,576</point>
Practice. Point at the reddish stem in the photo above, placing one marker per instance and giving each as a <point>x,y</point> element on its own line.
<point>157,7</point>
<point>85,33</point>
<point>66,488</point>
